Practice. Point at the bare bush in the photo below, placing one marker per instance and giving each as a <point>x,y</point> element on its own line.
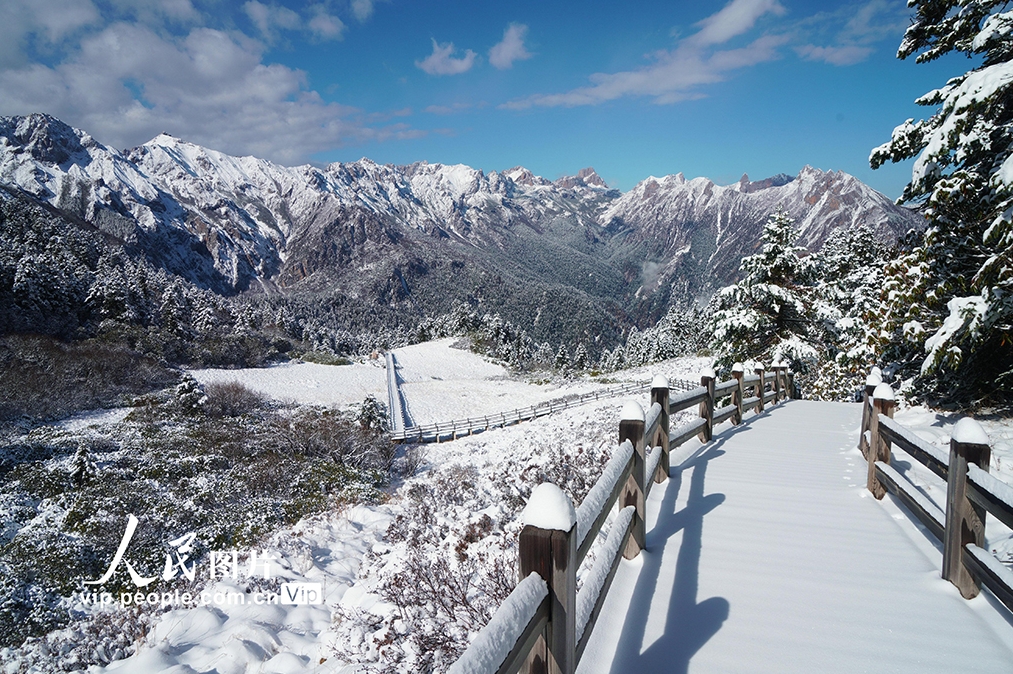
<point>408,461</point>
<point>44,378</point>
<point>230,399</point>
<point>329,433</point>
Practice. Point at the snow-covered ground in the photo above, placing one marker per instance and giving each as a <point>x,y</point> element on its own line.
<point>308,383</point>
<point>935,428</point>
<point>464,501</point>
<point>274,638</point>
<point>502,467</point>
<point>443,381</point>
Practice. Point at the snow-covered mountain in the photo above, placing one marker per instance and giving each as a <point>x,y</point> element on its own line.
<point>245,211</point>
<point>389,233</point>
<point>704,229</point>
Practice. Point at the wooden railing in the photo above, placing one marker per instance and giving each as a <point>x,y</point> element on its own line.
<point>451,430</point>
<point>544,625</point>
<point>971,491</point>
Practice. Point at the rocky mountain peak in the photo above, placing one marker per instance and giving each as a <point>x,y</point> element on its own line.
<point>779,180</point>
<point>590,177</point>
<point>46,138</point>
<point>586,177</point>
<point>522,176</point>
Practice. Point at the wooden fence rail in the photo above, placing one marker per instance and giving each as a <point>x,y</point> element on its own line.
<point>971,492</point>
<point>438,431</point>
<point>544,625</point>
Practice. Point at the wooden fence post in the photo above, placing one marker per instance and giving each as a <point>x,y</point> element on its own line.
<point>631,427</point>
<point>659,394</point>
<point>777,367</point>
<point>879,448</point>
<point>548,546</point>
<point>790,377</point>
<point>760,385</point>
<point>737,394</point>
<point>707,406</point>
<point>871,382</point>
<point>965,521</point>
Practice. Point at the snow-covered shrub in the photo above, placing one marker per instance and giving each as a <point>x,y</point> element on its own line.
<point>408,462</point>
<point>449,558</point>
<point>43,378</point>
<point>27,609</point>
<point>95,639</point>
<point>230,480</point>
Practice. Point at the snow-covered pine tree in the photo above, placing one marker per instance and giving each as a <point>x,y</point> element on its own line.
<point>949,299</point>
<point>773,313</point>
<point>849,274</point>
<point>581,359</point>
<point>562,360</point>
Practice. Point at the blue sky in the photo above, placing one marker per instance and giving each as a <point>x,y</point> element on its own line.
<point>633,89</point>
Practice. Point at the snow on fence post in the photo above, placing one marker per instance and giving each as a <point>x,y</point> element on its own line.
<point>631,427</point>
<point>871,382</point>
<point>659,394</point>
<point>548,547</point>
<point>965,521</point>
<point>879,448</point>
<point>737,394</point>
<point>707,406</point>
<point>760,385</point>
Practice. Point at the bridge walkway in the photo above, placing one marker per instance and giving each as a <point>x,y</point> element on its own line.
<point>765,553</point>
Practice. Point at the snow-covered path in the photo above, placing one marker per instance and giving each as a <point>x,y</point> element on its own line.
<point>767,554</point>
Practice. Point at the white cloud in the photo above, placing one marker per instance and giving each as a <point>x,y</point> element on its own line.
<point>448,109</point>
<point>269,18</point>
<point>863,26</point>
<point>128,82</point>
<point>325,26</point>
<point>442,61</point>
<point>511,48</point>
<point>152,11</point>
<point>845,55</point>
<point>362,9</point>
<point>876,20</point>
<point>734,19</point>
<point>51,21</point>
<point>676,74</point>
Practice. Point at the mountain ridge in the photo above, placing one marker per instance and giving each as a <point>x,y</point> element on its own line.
<point>384,233</point>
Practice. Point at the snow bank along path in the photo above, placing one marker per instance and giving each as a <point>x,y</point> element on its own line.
<point>765,553</point>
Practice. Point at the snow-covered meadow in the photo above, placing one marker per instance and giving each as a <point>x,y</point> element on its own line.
<point>308,383</point>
